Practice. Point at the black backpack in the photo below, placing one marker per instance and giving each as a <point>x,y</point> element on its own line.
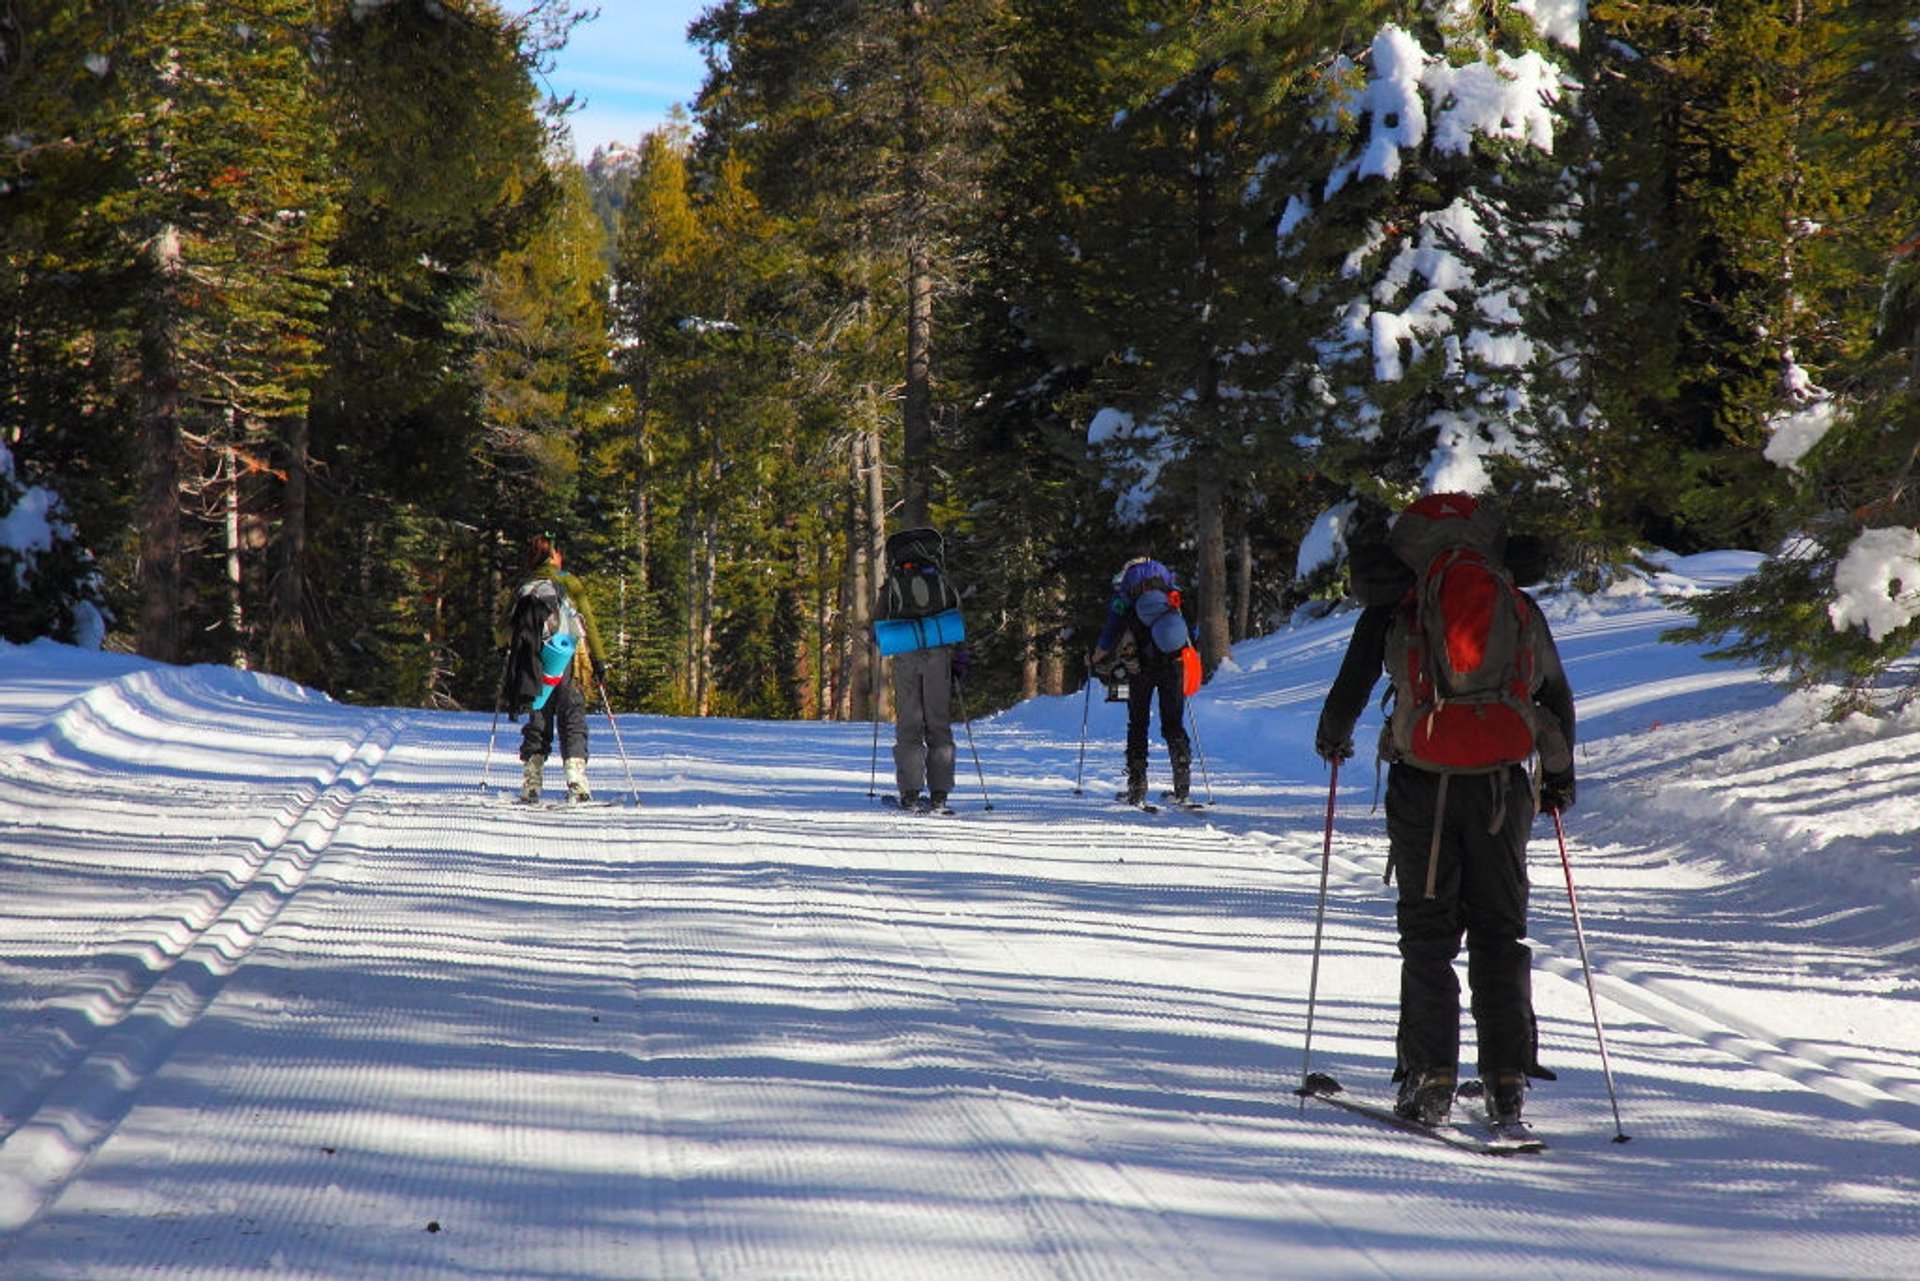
<point>539,612</point>
<point>917,585</point>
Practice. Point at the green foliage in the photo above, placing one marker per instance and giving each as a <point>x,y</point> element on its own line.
<point>1802,160</point>
<point>1778,618</point>
<point>313,297</point>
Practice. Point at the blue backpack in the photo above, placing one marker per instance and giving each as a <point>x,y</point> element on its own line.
<point>1153,592</point>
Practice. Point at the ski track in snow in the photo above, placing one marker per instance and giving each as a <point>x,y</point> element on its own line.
<point>290,991</point>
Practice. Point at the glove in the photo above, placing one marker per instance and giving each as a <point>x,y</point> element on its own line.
<point>1332,749</point>
<point>600,672</point>
<point>1556,791</point>
<point>962,663</point>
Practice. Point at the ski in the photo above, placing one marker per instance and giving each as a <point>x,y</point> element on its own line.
<point>1474,1093</point>
<point>1188,806</point>
<point>1145,807</point>
<point>1452,1133</point>
<point>924,806</point>
<point>559,804</point>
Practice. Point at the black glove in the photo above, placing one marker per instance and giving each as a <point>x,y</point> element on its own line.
<point>962,664</point>
<point>1556,791</point>
<point>600,672</point>
<point>1329,748</point>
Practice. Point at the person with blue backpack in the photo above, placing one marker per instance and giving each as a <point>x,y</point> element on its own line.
<point>1144,615</point>
<point>917,623</point>
<point>1478,692</point>
<point>553,653</point>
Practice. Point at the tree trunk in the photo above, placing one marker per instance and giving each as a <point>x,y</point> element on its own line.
<point>1242,584</point>
<point>706,591</point>
<point>236,598</point>
<point>158,632</point>
<point>1210,530</point>
<point>287,646</point>
<point>848,642</point>
<point>1210,493</point>
<point>917,399</point>
<point>872,573</point>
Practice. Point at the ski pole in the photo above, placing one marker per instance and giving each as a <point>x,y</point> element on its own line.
<point>613,724</point>
<point>1319,922</point>
<point>1579,935</point>
<point>873,708</point>
<point>960,693</point>
<point>499,698</point>
<point>1086,705</point>
<point>1193,728</point>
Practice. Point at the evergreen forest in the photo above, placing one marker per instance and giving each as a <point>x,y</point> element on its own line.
<point>310,318</point>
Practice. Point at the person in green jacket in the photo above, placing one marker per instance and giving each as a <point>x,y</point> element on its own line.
<point>563,713</point>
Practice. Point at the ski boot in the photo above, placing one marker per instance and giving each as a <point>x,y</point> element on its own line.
<point>577,789</point>
<point>532,775</point>
<point>1506,1095</point>
<point>1426,1096</point>
<point>1182,780</point>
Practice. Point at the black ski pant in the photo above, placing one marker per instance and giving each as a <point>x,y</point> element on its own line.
<point>566,713</point>
<point>1458,844</point>
<point>1159,678</point>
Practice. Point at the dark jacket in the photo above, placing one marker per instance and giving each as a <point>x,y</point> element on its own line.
<point>1366,659</point>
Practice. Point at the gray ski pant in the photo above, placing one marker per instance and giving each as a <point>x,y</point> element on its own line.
<point>923,720</point>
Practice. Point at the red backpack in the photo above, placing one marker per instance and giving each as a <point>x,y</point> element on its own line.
<point>1461,650</point>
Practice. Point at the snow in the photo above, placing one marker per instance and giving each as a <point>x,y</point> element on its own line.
<point>27,527</point>
<point>1797,431</point>
<point>1506,98</point>
<point>1137,453</point>
<point>291,990</point>
<point>1877,583</point>
<point>1326,540</point>
<point>1558,20</point>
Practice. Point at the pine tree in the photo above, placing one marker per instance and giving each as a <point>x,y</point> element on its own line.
<point>195,197</point>
<point>1426,253</point>
<point>866,127</point>
<point>1825,242</point>
<point>444,157</point>
<point>726,453</point>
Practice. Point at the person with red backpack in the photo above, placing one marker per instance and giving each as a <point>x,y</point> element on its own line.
<point>1478,692</point>
<point>1145,611</point>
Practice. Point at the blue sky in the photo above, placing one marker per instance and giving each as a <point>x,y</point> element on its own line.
<point>628,67</point>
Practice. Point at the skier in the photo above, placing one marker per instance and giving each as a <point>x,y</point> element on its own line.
<point>917,623</point>
<point>1145,610</point>
<point>1456,833</point>
<point>564,710</point>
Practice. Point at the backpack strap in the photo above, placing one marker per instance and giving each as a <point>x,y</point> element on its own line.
<point>1433,846</point>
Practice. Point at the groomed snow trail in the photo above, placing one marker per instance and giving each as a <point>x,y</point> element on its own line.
<point>288,992</point>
